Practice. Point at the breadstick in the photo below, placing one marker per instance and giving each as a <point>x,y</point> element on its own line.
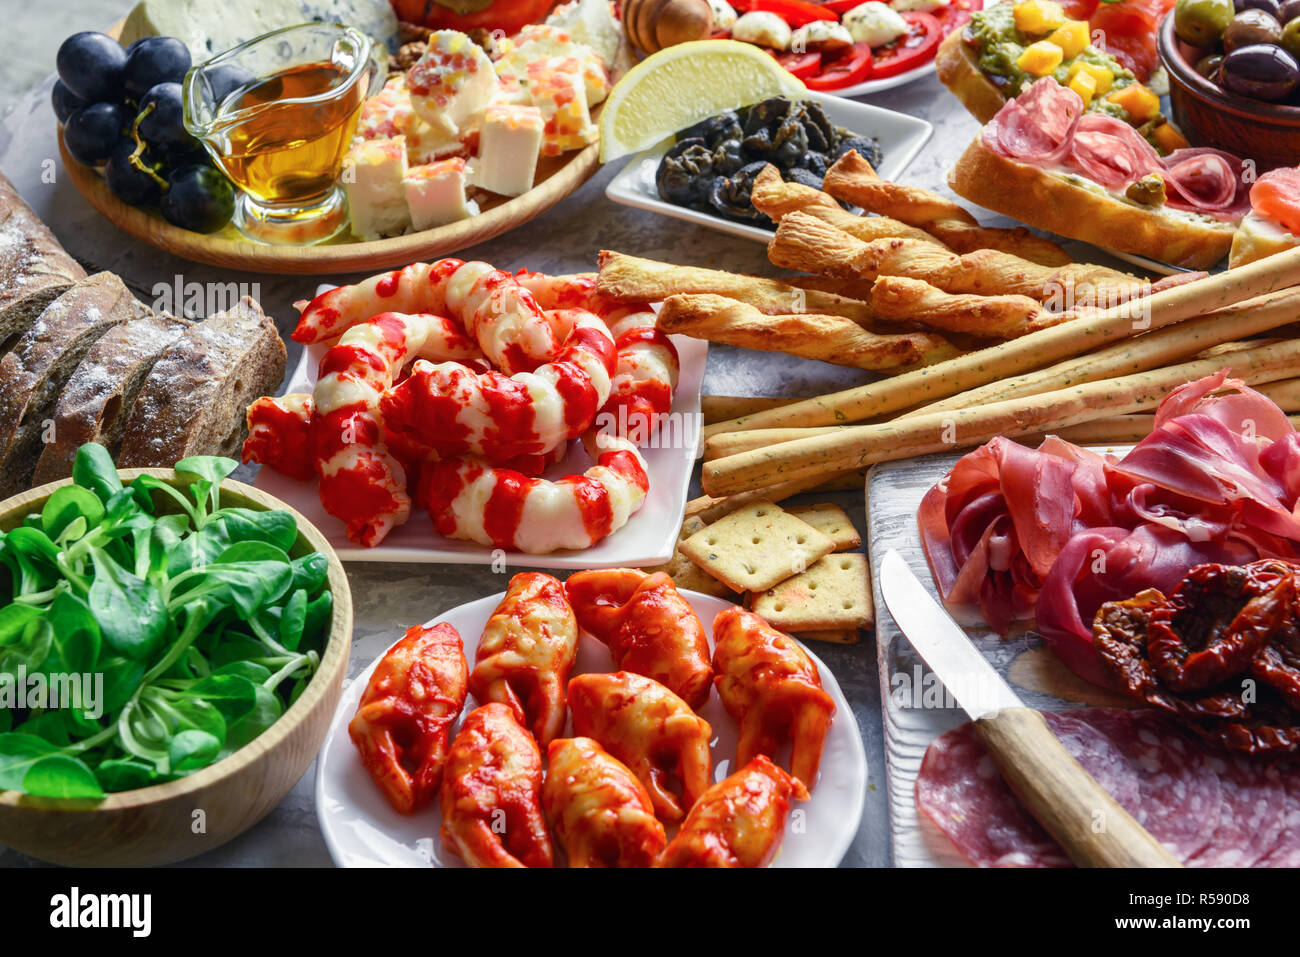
<point>828,338</point>
<point>775,197</point>
<point>865,445</point>
<point>853,180</point>
<point>731,443</point>
<point>631,279</point>
<point>992,317</point>
<point>1139,354</point>
<point>859,289</point>
<point>805,242</point>
<point>710,509</point>
<point>717,408</point>
<point>1160,309</point>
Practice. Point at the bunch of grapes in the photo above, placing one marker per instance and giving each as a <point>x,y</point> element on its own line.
<point>123,108</point>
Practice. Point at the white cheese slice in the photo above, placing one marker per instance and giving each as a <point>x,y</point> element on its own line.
<point>373,174</point>
<point>435,194</point>
<point>452,83</point>
<point>509,145</point>
<point>591,22</point>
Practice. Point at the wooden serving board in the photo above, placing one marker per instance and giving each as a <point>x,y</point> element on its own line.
<point>912,700</point>
<point>557,177</point>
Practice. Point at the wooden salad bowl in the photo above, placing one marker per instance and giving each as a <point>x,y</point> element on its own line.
<point>159,824</point>
<point>557,177</point>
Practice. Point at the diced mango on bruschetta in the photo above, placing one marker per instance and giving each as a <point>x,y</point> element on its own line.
<point>1139,102</point>
<point>1168,139</point>
<point>1099,73</point>
<point>1041,58</point>
<point>1072,37</point>
<point>1037,17</point>
<point>1085,84</point>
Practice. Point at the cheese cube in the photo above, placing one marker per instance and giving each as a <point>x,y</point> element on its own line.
<point>372,178</point>
<point>386,114</point>
<point>592,22</point>
<point>425,143</point>
<point>508,148</point>
<point>452,83</point>
<point>435,194</point>
<point>539,42</point>
<point>561,95</point>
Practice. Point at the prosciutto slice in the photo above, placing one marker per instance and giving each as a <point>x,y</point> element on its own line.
<point>1055,532</point>
<point>1047,127</point>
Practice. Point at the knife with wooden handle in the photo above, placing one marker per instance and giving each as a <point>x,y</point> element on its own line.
<point>1064,798</point>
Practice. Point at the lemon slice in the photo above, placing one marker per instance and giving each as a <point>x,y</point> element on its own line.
<point>683,84</point>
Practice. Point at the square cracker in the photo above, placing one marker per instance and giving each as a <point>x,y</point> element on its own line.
<point>756,547</point>
<point>833,594</point>
<point>684,572</point>
<point>830,520</point>
<point>845,636</point>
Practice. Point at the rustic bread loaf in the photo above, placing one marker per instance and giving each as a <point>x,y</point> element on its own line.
<point>34,269</point>
<point>194,400</point>
<point>34,372</point>
<point>99,395</point>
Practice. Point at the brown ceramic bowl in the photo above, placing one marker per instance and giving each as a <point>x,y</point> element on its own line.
<point>1268,133</point>
<point>159,824</point>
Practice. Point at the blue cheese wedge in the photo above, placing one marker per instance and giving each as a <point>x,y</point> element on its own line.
<point>209,27</point>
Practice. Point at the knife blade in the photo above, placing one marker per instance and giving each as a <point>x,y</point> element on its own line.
<point>1053,787</point>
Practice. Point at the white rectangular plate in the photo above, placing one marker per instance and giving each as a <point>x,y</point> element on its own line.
<point>901,138</point>
<point>647,539</point>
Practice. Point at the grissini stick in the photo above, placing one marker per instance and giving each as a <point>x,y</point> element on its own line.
<point>865,445</point>
<point>1033,351</point>
<point>1141,353</point>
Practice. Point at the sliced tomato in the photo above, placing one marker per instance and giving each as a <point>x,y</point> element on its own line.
<point>802,65</point>
<point>797,13</point>
<point>915,48</point>
<point>841,6</point>
<point>848,69</point>
<point>956,14</point>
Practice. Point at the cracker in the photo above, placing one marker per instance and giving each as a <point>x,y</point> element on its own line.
<point>684,572</point>
<point>839,636</point>
<point>833,594</point>
<point>756,547</point>
<point>830,520</point>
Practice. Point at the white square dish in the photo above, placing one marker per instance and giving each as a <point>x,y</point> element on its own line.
<point>901,138</point>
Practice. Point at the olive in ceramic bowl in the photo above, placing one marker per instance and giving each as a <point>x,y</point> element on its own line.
<point>1261,71</point>
<point>1270,7</point>
<point>1288,10</point>
<point>1249,28</point>
<point>1291,38</point>
<point>1202,22</point>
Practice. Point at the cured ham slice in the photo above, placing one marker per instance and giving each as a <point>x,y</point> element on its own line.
<point>1055,532</point>
<point>1207,810</point>
<point>1276,194</point>
<point>1048,128</point>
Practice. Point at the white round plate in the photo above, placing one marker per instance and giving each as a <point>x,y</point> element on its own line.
<point>361,828</point>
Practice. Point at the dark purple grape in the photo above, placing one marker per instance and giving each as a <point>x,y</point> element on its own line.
<point>226,79</point>
<point>92,131</point>
<point>155,60</point>
<point>162,118</point>
<point>1261,72</point>
<point>93,66</point>
<point>198,198</point>
<point>65,101</point>
<point>127,178</point>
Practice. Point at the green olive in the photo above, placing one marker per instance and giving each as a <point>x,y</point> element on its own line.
<point>1202,22</point>
<point>1291,38</point>
<point>1208,66</point>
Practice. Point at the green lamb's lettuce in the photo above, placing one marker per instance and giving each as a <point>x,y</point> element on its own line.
<point>195,629</point>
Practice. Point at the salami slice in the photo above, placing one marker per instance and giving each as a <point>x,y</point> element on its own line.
<point>962,791</point>
<point>1286,850</point>
<point>1253,813</point>
<point>1179,795</point>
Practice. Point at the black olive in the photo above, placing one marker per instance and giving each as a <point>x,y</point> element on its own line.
<point>684,180</point>
<point>767,114</point>
<point>731,195</point>
<point>1260,71</point>
<point>1208,66</point>
<point>728,157</point>
<point>682,145</point>
<point>806,177</point>
<point>868,148</point>
<point>1251,27</point>
<point>1288,11</point>
<point>715,129</point>
<point>823,125</point>
<point>813,162</point>
<point>1268,6</point>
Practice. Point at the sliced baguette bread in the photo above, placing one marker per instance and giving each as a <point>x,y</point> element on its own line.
<point>100,393</point>
<point>1257,237</point>
<point>958,68</point>
<point>34,269</point>
<point>1051,201</point>
<point>194,400</point>
<point>34,373</point>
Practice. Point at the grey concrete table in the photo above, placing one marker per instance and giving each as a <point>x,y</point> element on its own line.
<point>389,598</point>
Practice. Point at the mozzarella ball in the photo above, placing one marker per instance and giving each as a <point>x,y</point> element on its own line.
<point>724,14</point>
<point>765,29</point>
<point>821,35</point>
<point>922,6</point>
<point>874,24</point>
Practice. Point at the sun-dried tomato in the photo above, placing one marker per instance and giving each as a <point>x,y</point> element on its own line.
<point>1214,624</point>
<point>1277,664</point>
<point>1270,726</point>
<point>1119,636</point>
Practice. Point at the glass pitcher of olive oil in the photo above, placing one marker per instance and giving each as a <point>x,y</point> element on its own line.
<point>277,114</point>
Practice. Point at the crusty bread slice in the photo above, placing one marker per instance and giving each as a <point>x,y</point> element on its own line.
<point>194,400</point>
<point>1047,200</point>
<point>1257,237</point>
<point>34,269</point>
<point>34,372</point>
<point>100,393</point>
<point>959,70</point>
